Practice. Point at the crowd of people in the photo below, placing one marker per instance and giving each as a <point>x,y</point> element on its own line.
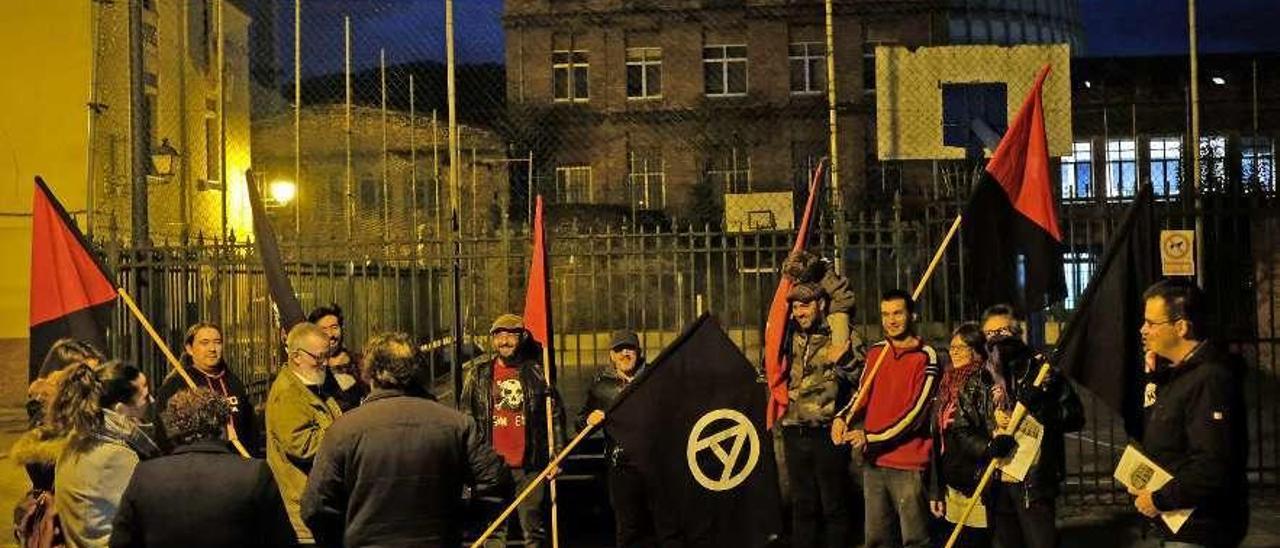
<point>883,443</point>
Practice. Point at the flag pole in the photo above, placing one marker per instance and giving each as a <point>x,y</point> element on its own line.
<point>593,420</point>
<point>1019,413</point>
<point>551,434</point>
<point>846,415</point>
<point>173,361</point>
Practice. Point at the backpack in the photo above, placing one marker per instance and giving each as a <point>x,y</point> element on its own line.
<point>35,521</point>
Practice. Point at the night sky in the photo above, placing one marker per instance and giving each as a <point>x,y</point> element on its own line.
<point>414,29</point>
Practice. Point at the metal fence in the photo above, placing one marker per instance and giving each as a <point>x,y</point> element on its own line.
<point>656,280</point>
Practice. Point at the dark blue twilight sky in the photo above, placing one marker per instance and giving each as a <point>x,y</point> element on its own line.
<point>414,29</point>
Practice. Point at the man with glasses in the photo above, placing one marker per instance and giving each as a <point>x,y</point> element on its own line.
<point>1195,422</point>
<point>299,411</point>
<point>1024,513</point>
<point>506,393</point>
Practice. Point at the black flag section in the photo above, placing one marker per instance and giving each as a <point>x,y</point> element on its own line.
<point>264,237</point>
<point>1101,348</point>
<point>694,422</point>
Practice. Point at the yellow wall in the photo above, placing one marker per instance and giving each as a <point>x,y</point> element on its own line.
<point>43,129</point>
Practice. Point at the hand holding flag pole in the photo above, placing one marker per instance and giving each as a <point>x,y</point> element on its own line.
<point>845,417</point>
<point>1019,413</point>
<point>593,420</point>
<point>173,361</point>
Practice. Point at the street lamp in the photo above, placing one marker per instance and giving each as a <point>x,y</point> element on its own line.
<point>162,159</point>
<point>283,191</point>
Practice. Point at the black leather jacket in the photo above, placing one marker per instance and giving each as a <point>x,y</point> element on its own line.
<point>604,391</point>
<point>1061,413</point>
<point>957,451</point>
<point>477,401</point>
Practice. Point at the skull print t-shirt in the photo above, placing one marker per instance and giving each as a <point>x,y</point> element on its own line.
<point>508,414</point>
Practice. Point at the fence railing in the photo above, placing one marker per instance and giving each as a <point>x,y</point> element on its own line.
<point>656,280</point>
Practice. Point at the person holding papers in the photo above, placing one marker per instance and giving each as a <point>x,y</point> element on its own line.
<point>1195,422</point>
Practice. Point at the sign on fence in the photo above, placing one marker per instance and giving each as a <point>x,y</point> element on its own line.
<point>1177,252</point>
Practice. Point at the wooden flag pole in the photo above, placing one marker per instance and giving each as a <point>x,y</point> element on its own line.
<point>1019,413</point>
<point>593,420</point>
<point>173,361</point>
<point>551,441</point>
<point>846,416</point>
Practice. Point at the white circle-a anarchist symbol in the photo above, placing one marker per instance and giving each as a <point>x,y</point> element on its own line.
<point>740,432</point>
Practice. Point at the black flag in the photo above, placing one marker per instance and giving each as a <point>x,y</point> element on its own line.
<point>285,300</point>
<point>694,422</point>
<point>1101,348</point>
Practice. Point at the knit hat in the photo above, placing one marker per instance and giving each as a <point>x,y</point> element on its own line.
<point>507,322</point>
<point>805,293</point>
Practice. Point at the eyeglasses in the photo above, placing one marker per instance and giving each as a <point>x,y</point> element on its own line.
<point>1152,323</point>
<point>319,359</point>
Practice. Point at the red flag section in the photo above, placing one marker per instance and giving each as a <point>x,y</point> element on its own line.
<point>71,293</point>
<point>537,300</point>
<point>777,370</point>
<point>1021,162</point>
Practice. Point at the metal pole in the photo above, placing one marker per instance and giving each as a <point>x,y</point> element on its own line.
<point>297,121</point>
<point>140,139</point>
<point>222,129</point>
<point>1195,140</point>
<point>348,205</point>
<point>837,198</point>
<point>386,188</point>
<point>93,110</point>
<point>413,163</point>
<point>529,179</point>
<point>455,367</point>
<point>435,172</point>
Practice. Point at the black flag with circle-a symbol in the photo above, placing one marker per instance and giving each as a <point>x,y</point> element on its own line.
<point>693,423</point>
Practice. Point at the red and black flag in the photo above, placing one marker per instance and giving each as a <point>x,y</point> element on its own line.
<point>288,309</point>
<point>1100,348</point>
<point>537,298</point>
<point>694,425</point>
<point>1013,244</point>
<point>777,370</point>
<point>72,294</point>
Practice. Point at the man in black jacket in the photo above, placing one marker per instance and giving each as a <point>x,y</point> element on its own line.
<point>1024,513</point>
<point>506,393</point>
<point>632,513</point>
<point>204,361</point>
<point>203,494</point>
<point>1195,421</point>
<point>392,471</point>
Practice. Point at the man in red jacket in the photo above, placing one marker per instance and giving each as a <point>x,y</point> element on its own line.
<point>894,437</point>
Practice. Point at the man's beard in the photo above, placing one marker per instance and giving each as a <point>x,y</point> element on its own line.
<point>900,337</point>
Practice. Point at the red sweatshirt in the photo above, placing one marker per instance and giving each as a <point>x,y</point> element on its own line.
<point>897,412</point>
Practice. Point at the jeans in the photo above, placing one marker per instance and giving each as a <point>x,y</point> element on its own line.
<point>529,512</point>
<point>820,492</point>
<point>1016,523</point>
<point>896,507</point>
<point>633,515</point>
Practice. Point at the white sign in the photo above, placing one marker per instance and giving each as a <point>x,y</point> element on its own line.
<point>1177,252</point>
<point>1139,473</point>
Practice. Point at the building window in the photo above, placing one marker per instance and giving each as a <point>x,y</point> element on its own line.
<point>808,67</point>
<point>569,73</point>
<point>724,70</point>
<point>1213,162</point>
<point>1077,172</point>
<point>1122,168</point>
<point>730,169</point>
<point>869,68</point>
<point>644,73</point>
<point>1258,163</point>
<point>1078,270</point>
<point>1166,165</point>
<point>646,178</point>
<point>573,184</point>
<point>370,194</point>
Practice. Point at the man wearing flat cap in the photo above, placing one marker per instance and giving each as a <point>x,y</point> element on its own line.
<point>505,391</point>
<point>633,515</point>
<point>817,469</point>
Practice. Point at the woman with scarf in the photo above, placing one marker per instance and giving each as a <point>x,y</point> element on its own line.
<point>100,412</point>
<point>963,424</point>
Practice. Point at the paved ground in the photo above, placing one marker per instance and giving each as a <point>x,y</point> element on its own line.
<point>1096,527</point>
